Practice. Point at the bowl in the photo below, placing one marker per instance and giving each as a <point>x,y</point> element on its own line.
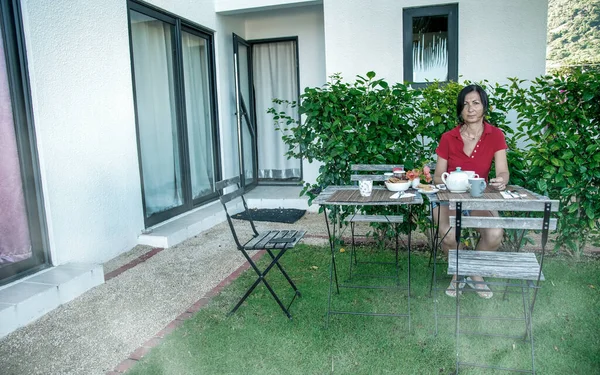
<point>397,186</point>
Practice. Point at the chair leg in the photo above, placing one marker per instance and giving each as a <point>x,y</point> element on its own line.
<point>261,277</point>
<point>287,277</point>
<point>352,251</point>
<point>396,235</point>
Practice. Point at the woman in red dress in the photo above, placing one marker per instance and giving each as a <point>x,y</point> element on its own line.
<point>473,145</point>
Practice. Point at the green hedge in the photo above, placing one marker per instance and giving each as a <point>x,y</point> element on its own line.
<point>370,121</point>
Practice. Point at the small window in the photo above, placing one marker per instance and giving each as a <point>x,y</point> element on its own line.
<point>430,44</point>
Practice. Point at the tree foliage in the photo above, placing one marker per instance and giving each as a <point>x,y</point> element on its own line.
<point>573,32</point>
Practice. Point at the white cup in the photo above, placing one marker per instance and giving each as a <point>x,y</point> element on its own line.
<point>365,187</point>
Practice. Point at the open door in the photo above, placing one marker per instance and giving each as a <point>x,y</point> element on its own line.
<point>265,69</point>
<point>246,123</point>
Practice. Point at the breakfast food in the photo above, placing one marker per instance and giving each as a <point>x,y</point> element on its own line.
<point>396,180</point>
<point>426,187</point>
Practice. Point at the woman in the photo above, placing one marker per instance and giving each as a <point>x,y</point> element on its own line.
<point>472,145</point>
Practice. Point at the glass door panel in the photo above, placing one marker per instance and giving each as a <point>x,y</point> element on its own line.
<point>23,247</point>
<point>275,75</point>
<point>198,110</point>
<point>15,244</point>
<point>152,41</point>
<point>245,111</point>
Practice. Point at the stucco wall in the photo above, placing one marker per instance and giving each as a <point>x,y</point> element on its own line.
<point>79,67</point>
<point>497,39</point>
<point>239,6</point>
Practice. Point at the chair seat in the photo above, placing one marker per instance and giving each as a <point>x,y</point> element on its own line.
<point>377,219</point>
<point>504,265</point>
<point>274,239</point>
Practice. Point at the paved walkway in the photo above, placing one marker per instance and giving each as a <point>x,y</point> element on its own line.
<point>148,293</point>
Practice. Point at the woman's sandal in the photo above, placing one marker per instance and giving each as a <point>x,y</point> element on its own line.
<point>450,291</point>
<point>483,290</point>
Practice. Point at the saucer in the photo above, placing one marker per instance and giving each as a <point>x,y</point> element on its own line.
<point>432,191</point>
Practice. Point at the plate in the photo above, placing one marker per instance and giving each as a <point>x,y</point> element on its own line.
<point>432,191</point>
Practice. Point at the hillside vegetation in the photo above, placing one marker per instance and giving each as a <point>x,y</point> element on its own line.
<point>573,32</point>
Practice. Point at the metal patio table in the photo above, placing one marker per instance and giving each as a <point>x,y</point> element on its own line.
<point>331,199</point>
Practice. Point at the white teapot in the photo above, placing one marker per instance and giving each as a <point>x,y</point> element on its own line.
<point>457,181</point>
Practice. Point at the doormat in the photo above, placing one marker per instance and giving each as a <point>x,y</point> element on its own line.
<point>275,215</point>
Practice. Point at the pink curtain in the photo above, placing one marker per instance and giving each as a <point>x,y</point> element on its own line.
<point>15,244</point>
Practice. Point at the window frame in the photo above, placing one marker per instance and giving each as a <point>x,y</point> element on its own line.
<point>408,14</point>
<point>179,24</point>
<point>20,95</point>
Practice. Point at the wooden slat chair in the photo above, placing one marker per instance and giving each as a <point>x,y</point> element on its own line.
<point>375,173</point>
<point>516,270</point>
<point>272,241</point>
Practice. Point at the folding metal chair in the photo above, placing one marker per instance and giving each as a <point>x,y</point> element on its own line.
<point>375,173</point>
<point>520,272</point>
<point>273,241</point>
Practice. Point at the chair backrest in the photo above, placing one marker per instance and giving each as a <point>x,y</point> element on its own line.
<point>226,198</point>
<point>373,172</point>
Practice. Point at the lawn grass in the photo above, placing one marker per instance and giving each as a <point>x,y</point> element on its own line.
<point>259,339</point>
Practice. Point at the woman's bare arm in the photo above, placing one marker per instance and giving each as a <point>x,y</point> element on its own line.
<point>502,173</point>
<point>440,167</point>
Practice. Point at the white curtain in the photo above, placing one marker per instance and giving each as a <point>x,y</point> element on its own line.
<point>153,66</point>
<point>198,114</point>
<point>275,76</point>
<point>430,57</point>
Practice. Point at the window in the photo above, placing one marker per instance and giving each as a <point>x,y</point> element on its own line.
<point>23,246</point>
<point>430,44</point>
<point>174,85</point>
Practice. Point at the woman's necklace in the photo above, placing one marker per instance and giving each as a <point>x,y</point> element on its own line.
<point>472,137</point>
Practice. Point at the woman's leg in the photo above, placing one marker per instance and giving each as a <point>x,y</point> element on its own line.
<point>490,240</point>
<point>447,236</point>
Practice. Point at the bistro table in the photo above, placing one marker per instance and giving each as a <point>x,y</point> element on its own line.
<point>335,196</point>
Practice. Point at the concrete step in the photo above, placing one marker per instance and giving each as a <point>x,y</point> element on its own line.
<point>27,299</point>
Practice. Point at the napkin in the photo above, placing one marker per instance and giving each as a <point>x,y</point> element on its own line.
<point>405,195</point>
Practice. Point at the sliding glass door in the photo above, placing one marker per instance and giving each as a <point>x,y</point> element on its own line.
<point>175,106</point>
<point>23,248</point>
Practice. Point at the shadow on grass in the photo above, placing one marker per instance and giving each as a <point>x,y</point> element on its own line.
<point>259,339</point>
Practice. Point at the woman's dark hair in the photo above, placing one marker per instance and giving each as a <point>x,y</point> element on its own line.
<point>460,102</point>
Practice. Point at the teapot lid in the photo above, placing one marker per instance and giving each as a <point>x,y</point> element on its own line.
<point>457,169</point>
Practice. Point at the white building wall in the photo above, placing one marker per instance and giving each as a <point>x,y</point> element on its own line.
<point>237,6</point>
<point>80,73</point>
<point>497,39</point>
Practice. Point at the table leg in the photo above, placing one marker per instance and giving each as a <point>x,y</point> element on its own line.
<point>332,266</point>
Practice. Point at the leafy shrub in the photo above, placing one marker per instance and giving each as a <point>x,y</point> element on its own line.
<point>369,121</point>
<point>559,116</point>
